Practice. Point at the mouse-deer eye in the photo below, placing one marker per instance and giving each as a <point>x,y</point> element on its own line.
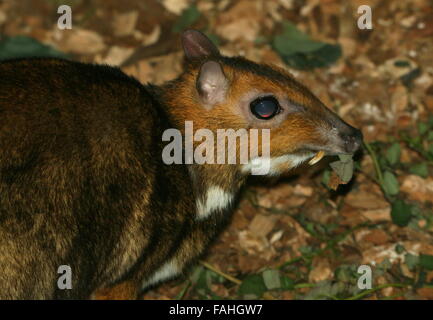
<point>265,108</point>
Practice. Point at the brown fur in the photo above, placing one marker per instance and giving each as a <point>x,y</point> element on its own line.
<point>81,177</point>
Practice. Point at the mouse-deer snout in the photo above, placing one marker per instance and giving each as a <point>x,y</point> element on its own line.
<point>341,137</point>
<point>352,141</point>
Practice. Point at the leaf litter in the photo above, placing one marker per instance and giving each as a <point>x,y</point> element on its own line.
<point>303,236</point>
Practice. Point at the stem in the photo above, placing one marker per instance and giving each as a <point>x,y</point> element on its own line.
<point>375,163</point>
<point>182,293</point>
<point>304,285</point>
<point>291,261</point>
<point>217,271</point>
<point>370,291</point>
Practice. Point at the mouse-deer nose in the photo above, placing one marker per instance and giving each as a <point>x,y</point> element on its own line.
<point>352,140</point>
<point>344,138</point>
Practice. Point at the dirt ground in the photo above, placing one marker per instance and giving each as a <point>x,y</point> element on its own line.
<point>293,237</point>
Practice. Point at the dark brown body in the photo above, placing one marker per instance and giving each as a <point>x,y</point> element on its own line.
<point>82,182</point>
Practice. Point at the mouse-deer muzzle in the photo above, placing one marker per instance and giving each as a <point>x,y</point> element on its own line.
<point>340,137</point>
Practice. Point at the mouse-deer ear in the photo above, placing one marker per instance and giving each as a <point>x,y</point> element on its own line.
<point>212,83</point>
<point>197,46</point>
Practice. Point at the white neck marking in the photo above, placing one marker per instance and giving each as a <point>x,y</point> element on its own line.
<point>215,198</point>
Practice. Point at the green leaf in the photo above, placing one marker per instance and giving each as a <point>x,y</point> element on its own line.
<point>399,249</point>
<point>26,47</point>
<point>422,128</point>
<point>401,213</point>
<point>287,283</point>
<point>343,167</point>
<point>320,58</point>
<point>196,274</point>
<point>345,157</point>
<point>430,121</point>
<point>393,153</point>
<point>200,278</point>
<point>252,287</point>
<point>189,16</point>
<point>287,46</point>
<point>430,149</point>
<point>426,261</point>
<point>213,37</point>
<point>390,183</point>
<point>299,51</point>
<point>326,176</point>
<point>385,265</point>
<point>411,260</point>
<point>420,169</point>
<point>402,63</point>
<point>271,278</point>
<point>345,273</point>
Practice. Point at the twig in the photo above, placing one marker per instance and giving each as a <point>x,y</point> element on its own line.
<point>291,261</point>
<point>182,293</point>
<point>370,291</point>
<point>217,271</point>
<point>375,163</point>
<point>304,285</point>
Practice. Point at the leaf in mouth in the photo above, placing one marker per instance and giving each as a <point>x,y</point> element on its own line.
<point>343,171</point>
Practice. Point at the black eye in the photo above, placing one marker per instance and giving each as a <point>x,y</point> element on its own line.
<point>265,107</point>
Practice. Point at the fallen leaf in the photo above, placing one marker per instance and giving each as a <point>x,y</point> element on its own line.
<point>262,225</point>
<point>116,55</point>
<point>377,215</point>
<point>176,6</point>
<point>320,270</point>
<point>365,199</point>
<point>234,24</point>
<point>418,188</point>
<point>123,24</point>
<point>81,41</point>
<point>426,293</point>
<point>377,237</point>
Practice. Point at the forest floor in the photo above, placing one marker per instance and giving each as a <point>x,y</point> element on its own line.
<point>293,237</point>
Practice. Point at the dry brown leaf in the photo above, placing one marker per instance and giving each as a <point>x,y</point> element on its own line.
<point>399,99</point>
<point>252,243</point>
<point>235,24</point>
<point>320,270</point>
<point>301,190</point>
<point>262,225</point>
<point>429,102</point>
<point>2,17</point>
<point>425,293</point>
<point>176,6</point>
<point>279,197</point>
<point>377,254</point>
<point>116,55</point>
<point>349,46</point>
<point>366,199</point>
<point>335,181</point>
<point>377,215</point>
<point>418,188</point>
<point>149,38</point>
<point>377,237</point>
<point>83,41</point>
<point>123,24</point>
